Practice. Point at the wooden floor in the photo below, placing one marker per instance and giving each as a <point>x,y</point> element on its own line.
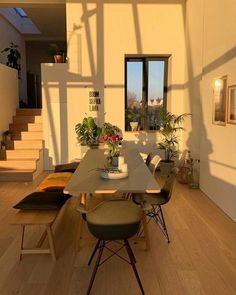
<point>201,258</point>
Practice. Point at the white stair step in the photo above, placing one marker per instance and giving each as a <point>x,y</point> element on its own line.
<point>19,154</point>
<point>18,164</point>
<point>27,119</point>
<point>29,112</point>
<point>25,144</point>
<point>27,135</point>
<point>17,175</point>
<point>26,127</point>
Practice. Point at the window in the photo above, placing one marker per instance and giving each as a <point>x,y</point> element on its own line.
<point>145,91</point>
<point>20,12</point>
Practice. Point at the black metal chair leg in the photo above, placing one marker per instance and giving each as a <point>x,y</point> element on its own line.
<point>131,258</point>
<point>164,226</point>
<point>131,251</point>
<point>101,246</point>
<point>94,252</point>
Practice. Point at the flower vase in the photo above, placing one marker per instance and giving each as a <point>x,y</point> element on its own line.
<point>114,161</point>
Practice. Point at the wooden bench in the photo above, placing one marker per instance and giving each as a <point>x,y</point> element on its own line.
<point>45,218</point>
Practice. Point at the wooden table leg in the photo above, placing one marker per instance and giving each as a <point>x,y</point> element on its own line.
<point>79,232</point>
<point>83,200</point>
<point>145,227</point>
<point>22,241</point>
<point>51,242</point>
<point>145,230</point>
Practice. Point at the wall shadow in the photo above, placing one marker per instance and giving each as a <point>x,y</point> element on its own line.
<point>198,140</point>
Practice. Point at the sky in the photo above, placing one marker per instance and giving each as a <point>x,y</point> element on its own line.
<point>156,78</point>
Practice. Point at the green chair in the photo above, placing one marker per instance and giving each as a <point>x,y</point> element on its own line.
<point>152,203</point>
<point>113,220</point>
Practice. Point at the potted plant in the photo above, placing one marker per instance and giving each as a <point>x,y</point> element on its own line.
<point>108,128</point>
<point>113,142</point>
<point>170,126</point>
<point>6,136</point>
<point>57,53</point>
<point>13,57</point>
<point>88,132</point>
<point>133,118</point>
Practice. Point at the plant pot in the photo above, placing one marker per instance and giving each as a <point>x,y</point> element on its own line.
<point>134,126</point>
<point>94,146</point>
<point>58,58</point>
<point>166,166</point>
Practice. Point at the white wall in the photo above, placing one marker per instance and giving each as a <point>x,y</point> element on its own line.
<point>211,49</point>
<point>9,34</point>
<point>8,96</point>
<point>56,117</point>
<point>99,35</point>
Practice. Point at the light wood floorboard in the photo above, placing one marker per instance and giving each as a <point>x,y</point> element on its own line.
<point>201,258</point>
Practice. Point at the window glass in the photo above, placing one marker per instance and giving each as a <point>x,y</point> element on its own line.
<point>145,92</point>
<point>155,92</point>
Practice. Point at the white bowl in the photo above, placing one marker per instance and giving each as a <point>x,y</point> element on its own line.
<point>112,175</point>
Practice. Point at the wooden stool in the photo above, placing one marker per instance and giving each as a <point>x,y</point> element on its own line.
<point>37,217</point>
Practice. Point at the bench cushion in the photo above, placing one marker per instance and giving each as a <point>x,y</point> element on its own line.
<point>55,182</point>
<point>69,167</point>
<point>43,201</point>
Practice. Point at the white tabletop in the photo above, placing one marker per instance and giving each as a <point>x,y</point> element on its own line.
<point>86,179</point>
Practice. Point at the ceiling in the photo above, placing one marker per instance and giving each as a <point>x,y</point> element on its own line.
<point>50,20</point>
<point>44,22</point>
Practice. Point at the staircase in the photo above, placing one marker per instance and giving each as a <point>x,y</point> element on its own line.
<point>23,158</point>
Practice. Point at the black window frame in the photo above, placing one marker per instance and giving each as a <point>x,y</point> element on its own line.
<point>145,59</point>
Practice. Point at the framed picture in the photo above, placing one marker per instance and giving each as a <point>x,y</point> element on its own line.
<point>219,101</point>
<point>231,114</point>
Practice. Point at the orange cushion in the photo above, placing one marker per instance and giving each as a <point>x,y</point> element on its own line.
<point>55,181</point>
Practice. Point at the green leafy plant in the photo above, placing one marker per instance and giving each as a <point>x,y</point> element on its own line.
<point>13,57</point>
<point>88,132</point>
<point>170,126</point>
<point>54,49</point>
<point>6,136</point>
<point>132,115</point>
<point>108,128</point>
<point>56,52</point>
<point>113,142</point>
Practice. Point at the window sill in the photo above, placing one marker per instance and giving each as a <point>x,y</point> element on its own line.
<point>142,131</point>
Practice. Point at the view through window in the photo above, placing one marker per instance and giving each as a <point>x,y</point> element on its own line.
<point>145,91</point>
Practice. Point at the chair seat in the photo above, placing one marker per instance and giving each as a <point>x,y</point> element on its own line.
<point>152,199</point>
<point>114,220</point>
<point>115,212</point>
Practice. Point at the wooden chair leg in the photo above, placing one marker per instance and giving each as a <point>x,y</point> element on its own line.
<point>22,241</point>
<point>41,240</point>
<point>51,242</point>
<point>145,230</point>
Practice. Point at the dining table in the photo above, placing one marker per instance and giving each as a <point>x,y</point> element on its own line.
<point>87,181</point>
